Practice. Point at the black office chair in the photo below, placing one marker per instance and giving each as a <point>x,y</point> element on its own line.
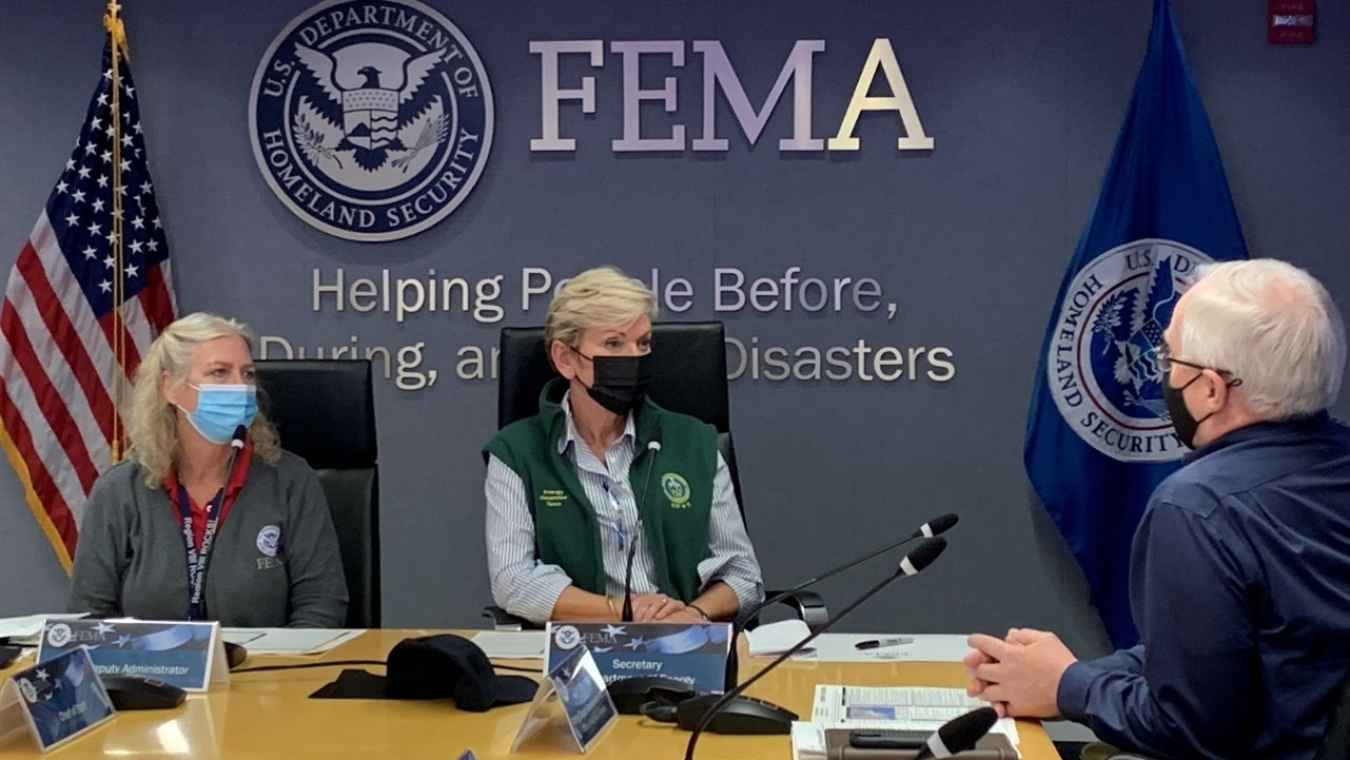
<point>689,376</point>
<point>324,411</point>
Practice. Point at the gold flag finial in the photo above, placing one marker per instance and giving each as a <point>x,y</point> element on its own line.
<point>112,21</point>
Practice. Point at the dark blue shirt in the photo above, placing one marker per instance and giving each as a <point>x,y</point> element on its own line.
<point>1240,586</point>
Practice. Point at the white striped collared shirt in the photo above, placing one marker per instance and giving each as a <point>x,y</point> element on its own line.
<point>526,587</point>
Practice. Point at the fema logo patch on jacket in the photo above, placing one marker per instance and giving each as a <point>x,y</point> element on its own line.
<point>371,119</point>
<point>1102,365</point>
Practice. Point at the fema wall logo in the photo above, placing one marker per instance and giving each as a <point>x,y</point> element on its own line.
<point>371,119</point>
<point>1103,364</point>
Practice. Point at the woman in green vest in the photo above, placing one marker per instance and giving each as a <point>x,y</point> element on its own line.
<point>602,478</point>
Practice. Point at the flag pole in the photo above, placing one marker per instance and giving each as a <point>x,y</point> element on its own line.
<point>112,21</point>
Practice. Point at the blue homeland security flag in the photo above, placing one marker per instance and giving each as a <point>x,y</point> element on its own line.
<point>1099,438</point>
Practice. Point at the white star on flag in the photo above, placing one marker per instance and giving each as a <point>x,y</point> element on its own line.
<point>57,376</point>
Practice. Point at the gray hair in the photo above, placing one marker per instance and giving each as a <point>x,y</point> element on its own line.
<point>1274,326</point>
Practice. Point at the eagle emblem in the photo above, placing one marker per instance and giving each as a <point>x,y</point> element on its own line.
<point>371,119</point>
<point>362,115</point>
<point>365,118</point>
<point>1102,353</point>
<point>1132,343</point>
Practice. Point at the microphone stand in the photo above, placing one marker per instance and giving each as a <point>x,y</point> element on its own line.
<point>935,527</point>
<point>911,565</point>
<point>654,446</point>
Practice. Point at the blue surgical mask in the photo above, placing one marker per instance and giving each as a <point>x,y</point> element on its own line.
<point>221,409</point>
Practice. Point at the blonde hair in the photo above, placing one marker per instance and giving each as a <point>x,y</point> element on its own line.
<point>596,297</point>
<point>153,427</point>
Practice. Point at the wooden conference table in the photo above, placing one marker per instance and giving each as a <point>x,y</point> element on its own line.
<point>268,715</point>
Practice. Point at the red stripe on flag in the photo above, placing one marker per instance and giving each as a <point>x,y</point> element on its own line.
<point>66,338</point>
<point>155,299</point>
<point>40,479</point>
<point>49,401</point>
<point>131,356</point>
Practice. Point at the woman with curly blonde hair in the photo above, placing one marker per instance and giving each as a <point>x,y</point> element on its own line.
<point>155,541</point>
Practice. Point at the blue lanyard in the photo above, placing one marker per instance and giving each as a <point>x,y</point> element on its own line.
<point>620,530</point>
<point>196,560</point>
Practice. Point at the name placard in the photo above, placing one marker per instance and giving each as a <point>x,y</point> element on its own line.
<point>587,710</point>
<point>695,653</point>
<point>188,655</point>
<point>57,699</point>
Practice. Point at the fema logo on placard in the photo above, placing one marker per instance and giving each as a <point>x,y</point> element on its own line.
<point>269,538</point>
<point>58,635</point>
<point>1102,365</point>
<point>566,637</point>
<point>676,489</point>
<point>371,119</point>
<point>28,691</point>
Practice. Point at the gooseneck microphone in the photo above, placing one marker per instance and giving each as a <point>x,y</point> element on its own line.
<point>959,734</point>
<point>934,527</point>
<point>912,564</point>
<point>236,446</point>
<point>654,446</point>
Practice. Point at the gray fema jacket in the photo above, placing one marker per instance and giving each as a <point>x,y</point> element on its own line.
<point>130,559</point>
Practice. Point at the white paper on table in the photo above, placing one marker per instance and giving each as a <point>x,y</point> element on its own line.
<point>774,639</point>
<point>30,626</point>
<point>808,741</point>
<point>919,708</point>
<point>511,645</point>
<point>289,641</point>
<point>924,647</point>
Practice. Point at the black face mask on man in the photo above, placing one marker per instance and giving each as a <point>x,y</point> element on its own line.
<point>621,382</point>
<point>1185,423</point>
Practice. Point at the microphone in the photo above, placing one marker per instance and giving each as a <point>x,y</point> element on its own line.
<point>236,446</point>
<point>710,704</point>
<point>959,734</point>
<point>654,446</point>
<point>934,527</point>
<point>237,440</point>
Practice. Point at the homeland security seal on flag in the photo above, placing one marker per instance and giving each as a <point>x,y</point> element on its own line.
<point>1102,367</point>
<point>371,119</point>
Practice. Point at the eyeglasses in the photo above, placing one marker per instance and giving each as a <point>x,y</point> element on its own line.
<point>1165,360</point>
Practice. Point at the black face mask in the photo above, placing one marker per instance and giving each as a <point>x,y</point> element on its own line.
<point>1185,423</point>
<point>621,382</point>
<point>1183,420</point>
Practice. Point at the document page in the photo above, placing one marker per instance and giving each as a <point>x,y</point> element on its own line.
<point>289,641</point>
<point>511,644</point>
<point>907,707</point>
<point>28,627</point>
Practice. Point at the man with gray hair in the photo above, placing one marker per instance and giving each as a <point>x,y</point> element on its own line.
<point>1240,570</point>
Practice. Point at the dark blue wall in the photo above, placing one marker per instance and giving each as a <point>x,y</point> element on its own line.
<point>968,241</point>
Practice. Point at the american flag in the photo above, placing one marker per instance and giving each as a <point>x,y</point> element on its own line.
<point>62,344</point>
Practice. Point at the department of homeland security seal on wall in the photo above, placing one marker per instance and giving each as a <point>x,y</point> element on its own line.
<point>371,119</point>
<point>1103,365</point>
